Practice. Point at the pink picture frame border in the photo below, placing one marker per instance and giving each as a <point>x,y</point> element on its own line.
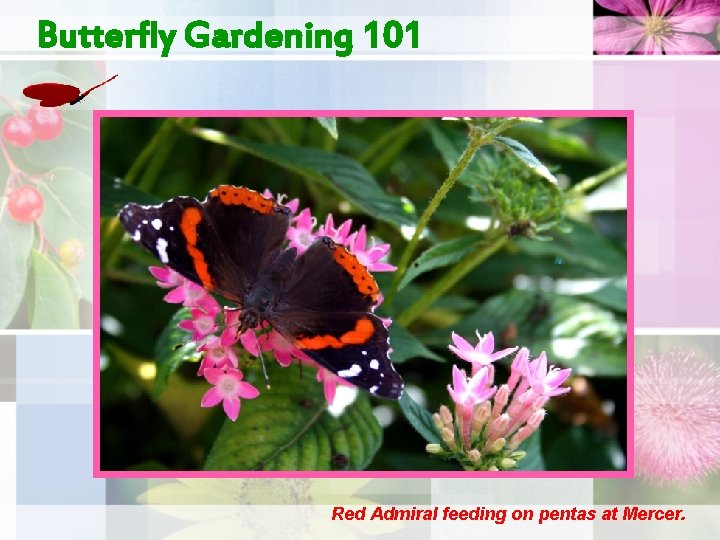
<point>620,113</point>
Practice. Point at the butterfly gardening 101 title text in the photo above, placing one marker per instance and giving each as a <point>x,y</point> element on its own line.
<point>200,34</point>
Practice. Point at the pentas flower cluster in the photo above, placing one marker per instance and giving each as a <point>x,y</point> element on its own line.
<point>215,329</point>
<point>491,422</point>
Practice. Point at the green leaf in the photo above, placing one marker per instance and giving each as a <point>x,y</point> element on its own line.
<point>582,246</point>
<point>439,255</point>
<point>612,295</point>
<point>329,124</point>
<point>68,216</point>
<point>406,346</point>
<point>16,241</point>
<point>582,448</point>
<point>114,195</point>
<point>419,419</point>
<point>289,428</point>
<point>341,173</point>
<point>533,461</point>
<point>528,158</point>
<point>54,305</point>
<point>173,347</point>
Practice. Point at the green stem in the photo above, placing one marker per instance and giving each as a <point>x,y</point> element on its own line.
<point>446,282</point>
<point>476,140</point>
<point>591,182</point>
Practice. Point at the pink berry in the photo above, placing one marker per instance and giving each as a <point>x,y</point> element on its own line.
<point>18,131</point>
<point>25,204</point>
<point>47,122</point>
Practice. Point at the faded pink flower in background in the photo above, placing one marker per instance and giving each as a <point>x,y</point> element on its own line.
<point>677,418</point>
<point>669,27</point>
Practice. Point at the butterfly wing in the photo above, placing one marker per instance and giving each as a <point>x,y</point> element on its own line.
<point>222,243</point>
<point>52,94</point>
<point>326,312</point>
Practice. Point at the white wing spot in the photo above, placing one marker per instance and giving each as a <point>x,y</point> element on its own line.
<point>145,221</point>
<point>161,247</point>
<point>172,228</point>
<point>157,224</point>
<point>354,371</point>
<point>373,389</point>
<point>136,235</point>
<point>374,364</point>
<point>364,353</point>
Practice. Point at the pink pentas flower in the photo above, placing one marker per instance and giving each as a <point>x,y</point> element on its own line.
<point>469,392</point>
<point>292,205</point>
<point>228,387</point>
<point>481,354</point>
<point>546,382</point>
<point>201,324</point>
<point>284,350</point>
<point>677,418</point>
<point>338,235</point>
<point>216,355</point>
<point>184,291</point>
<point>370,257</point>
<point>667,27</point>
<point>330,383</point>
<point>300,233</point>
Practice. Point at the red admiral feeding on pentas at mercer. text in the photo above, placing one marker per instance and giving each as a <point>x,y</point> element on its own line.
<point>321,301</point>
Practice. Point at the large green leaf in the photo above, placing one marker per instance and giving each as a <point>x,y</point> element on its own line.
<point>68,216</point>
<point>54,303</point>
<point>15,242</point>
<point>339,172</point>
<point>419,419</point>
<point>406,346</point>
<point>439,255</point>
<point>289,428</point>
<point>173,347</point>
<point>114,195</point>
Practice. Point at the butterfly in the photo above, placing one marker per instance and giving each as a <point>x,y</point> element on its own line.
<point>52,94</point>
<point>234,244</point>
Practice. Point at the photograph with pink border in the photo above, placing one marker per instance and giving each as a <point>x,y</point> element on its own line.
<point>356,293</point>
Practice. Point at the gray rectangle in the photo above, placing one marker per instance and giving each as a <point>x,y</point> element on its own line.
<point>7,368</point>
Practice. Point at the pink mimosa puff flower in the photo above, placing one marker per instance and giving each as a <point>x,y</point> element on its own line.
<point>330,383</point>
<point>677,418</point>
<point>228,387</point>
<point>482,354</point>
<point>339,235</point>
<point>300,233</point>
<point>284,351</point>
<point>216,355</point>
<point>546,382</point>
<point>669,27</point>
<point>201,324</point>
<point>369,257</point>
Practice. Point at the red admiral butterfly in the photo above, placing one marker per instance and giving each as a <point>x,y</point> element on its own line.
<point>233,244</point>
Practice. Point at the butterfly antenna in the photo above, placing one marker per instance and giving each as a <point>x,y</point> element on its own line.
<point>262,363</point>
